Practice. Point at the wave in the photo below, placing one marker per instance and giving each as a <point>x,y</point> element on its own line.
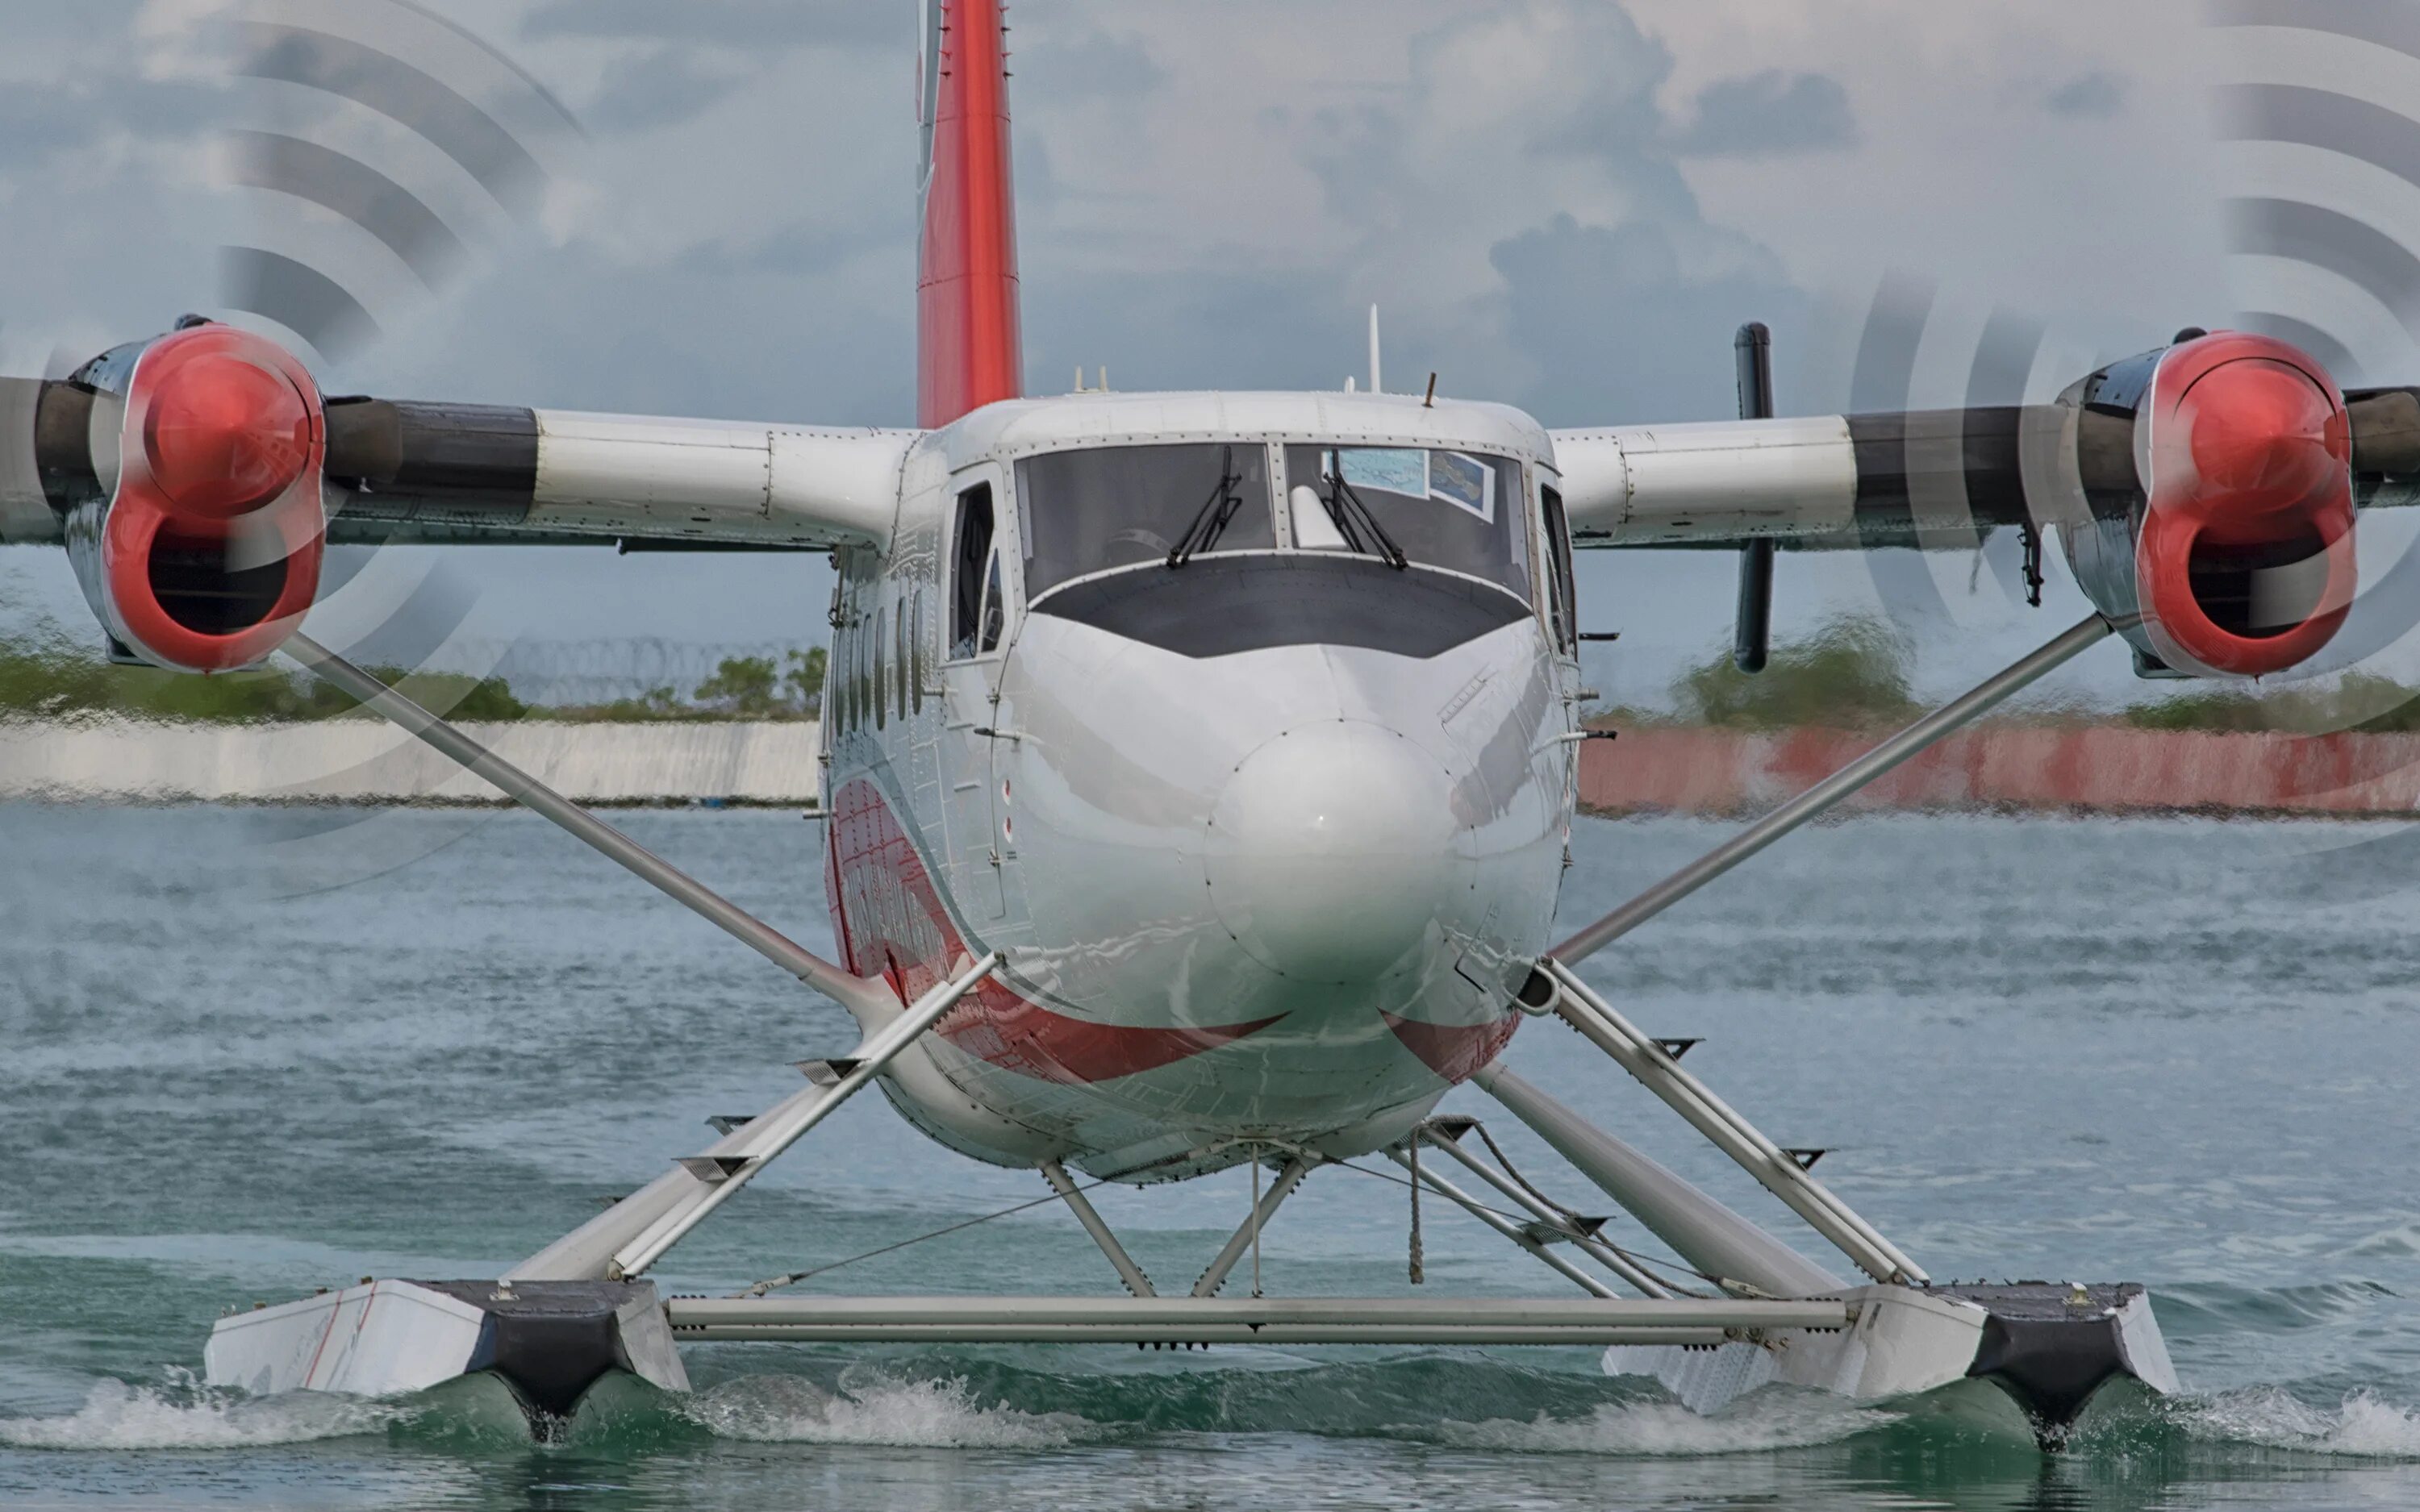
<point>1758,1424</point>
<point>875,1409</point>
<point>975,1403</point>
<point>181,1414</point>
<point>2361,1426</point>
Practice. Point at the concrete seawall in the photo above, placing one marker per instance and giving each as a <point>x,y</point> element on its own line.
<point>2100,769</point>
<point>2090,768</point>
<point>356,760</point>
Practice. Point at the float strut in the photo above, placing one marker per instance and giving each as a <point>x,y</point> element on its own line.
<point>1248,1236</point>
<point>1603,1254</point>
<point>1477,1209</point>
<point>1771,1165</point>
<point>1716,1242</point>
<point>760,1142</point>
<point>1892,754</point>
<point>869,1002</point>
<point>1081,1206</point>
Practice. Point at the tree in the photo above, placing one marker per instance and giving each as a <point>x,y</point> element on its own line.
<point>2359,701</point>
<point>805,678</point>
<point>743,685</point>
<point>1852,674</point>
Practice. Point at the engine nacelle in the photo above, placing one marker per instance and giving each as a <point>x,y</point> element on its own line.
<point>2232,553</point>
<point>203,552</point>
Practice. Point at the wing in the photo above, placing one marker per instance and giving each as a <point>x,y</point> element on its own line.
<point>2204,494</point>
<point>409,470</point>
<point>1935,480</point>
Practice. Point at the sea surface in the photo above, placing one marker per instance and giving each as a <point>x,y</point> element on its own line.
<point>248,1052</point>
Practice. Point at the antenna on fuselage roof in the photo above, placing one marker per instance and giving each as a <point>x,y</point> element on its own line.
<point>1377,384</point>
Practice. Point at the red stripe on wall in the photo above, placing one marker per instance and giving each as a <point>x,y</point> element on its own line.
<point>2094,768</point>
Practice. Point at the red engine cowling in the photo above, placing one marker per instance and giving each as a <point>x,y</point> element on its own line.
<point>2244,561</point>
<point>208,549</point>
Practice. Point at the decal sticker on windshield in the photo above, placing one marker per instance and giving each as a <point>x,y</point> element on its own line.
<point>1406,472</point>
<point>1463,482</point>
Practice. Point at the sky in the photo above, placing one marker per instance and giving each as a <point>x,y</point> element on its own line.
<point>1566,205</point>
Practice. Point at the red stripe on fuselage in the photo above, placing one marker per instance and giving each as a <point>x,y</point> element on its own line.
<point>1455,1051</point>
<point>889,918</point>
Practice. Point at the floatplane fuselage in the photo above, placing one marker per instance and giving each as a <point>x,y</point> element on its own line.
<point>1246,726</point>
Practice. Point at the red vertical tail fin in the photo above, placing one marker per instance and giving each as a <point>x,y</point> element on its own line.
<point>969,348</point>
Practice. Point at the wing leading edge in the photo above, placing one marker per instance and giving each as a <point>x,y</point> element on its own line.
<point>407,470</point>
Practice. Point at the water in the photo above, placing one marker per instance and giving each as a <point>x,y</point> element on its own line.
<point>2172,1052</point>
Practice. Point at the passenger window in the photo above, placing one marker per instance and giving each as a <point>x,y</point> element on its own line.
<point>864,674</point>
<point>856,676</point>
<point>1565,595</point>
<point>881,672</point>
<point>916,655</point>
<point>974,566</point>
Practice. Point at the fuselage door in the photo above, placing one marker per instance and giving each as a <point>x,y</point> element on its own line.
<point>974,636</point>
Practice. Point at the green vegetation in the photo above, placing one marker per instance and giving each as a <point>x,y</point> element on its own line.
<point>46,675</point>
<point>1856,674</point>
<point>753,687</point>
<point>2358,700</point>
<point>1853,674</point>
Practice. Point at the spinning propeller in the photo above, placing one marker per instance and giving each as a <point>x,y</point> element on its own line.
<point>2209,486</point>
<point>375,154</point>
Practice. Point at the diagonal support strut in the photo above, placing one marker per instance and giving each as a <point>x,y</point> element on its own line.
<point>1248,1238</point>
<point>868,1001</point>
<point>762,1141</point>
<point>1136,1283</point>
<point>1604,1254</point>
<point>1888,756</point>
<point>1429,1178</point>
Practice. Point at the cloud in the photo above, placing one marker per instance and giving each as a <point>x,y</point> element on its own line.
<point>91,105</point>
<point>743,23</point>
<point>806,249</point>
<point>2096,96</point>
<point>1192,329</point>
<point>1771,114</point>
<point>665,87</point>
<point>1085,65</point>
<point>1620,328</point>
<point>1521,210</point>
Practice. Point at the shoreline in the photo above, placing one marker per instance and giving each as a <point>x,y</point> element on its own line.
<point>346,761</point>
<point>2075,771</point>
<point>2082,770</point>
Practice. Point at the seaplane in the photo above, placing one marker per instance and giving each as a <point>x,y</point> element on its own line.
<point>1199,773</point>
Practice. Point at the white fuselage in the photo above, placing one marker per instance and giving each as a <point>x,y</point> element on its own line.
<point>1268,838</point>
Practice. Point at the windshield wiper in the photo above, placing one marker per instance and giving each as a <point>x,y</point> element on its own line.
<point>1210,522</point>
<point>1351,516</point>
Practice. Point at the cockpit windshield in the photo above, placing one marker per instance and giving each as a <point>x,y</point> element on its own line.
<point>1123,506</point>
<point>1462,511</point>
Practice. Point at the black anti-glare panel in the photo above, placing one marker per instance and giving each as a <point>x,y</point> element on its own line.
<point>1222,606</point>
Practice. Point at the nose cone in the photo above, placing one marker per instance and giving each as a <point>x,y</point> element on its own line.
<point>1331,852</point>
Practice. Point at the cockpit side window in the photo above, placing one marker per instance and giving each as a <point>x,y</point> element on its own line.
<point>1457,510</point>
<point>995,608</point>
<point>1565,602</point>
<point>975,611</point>
<point>1126,506</point>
